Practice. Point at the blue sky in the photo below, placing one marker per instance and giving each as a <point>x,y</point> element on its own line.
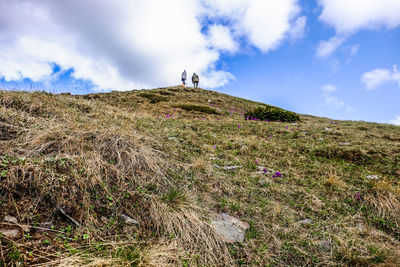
<point>331,58</point>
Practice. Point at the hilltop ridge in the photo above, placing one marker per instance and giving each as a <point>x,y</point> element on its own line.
<point>75,168</point>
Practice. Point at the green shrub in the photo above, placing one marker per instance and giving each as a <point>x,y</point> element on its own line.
<point>273,114</point>
<point>203,109</point>
<point>153,98</point>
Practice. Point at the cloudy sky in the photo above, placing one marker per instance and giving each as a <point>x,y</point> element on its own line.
<point>332,58</point>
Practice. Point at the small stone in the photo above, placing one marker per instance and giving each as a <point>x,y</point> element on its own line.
<point>25,228</point>
<point>306,221</point>
<point>320,139</point>
<point>128,220</point>
<point>326,245</point>
<point>328,129</point>
<point>360,227</point>
<point>213,158</point>
<point>230,167</point>
<point>10,219</point>
<point>226,167</point>
<point>172,138</point>
<point>295,124</point>
<point>11,234</point>
<point>344,144</point>
<point>230,228</point>
<point>373,177</point>
<point>209,100</point>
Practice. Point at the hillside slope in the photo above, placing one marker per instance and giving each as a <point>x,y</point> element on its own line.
<point>73,167</point>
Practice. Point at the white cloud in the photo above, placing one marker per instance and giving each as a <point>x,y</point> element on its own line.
<point>326,48</point>
<point>298,28</point>
<point>329,88</point>
<point>123,45</point>
<point>396,121</point>
<point>221,38</point>
<point>377,77</point>
<point>350,16</point>
<point>333,101</point>
<point>354,50</point>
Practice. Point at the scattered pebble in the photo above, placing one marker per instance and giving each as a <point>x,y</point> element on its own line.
<point>344,144</point>
<point>306,221</point>
<point>326,245</point>
<point>328,129</point>
<point>11,234</point>
<point>320,139</point>
<point>10,219</point>
<point>373,177</point>
<point>128,220</point>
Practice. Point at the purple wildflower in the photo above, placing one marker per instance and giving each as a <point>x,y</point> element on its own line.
<point>256,161</point>
<point>287,127</point>
<point>358,196</point>
<point>239,126</point>
<point>215,147</point>
<point>277,174</point>
<point>264,170</point>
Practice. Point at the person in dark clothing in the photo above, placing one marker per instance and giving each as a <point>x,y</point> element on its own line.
<point>184,78</point>
<point>195,80</point>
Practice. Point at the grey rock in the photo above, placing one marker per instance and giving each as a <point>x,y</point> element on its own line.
<point>326,245</point>
<point>306,221</point>
<point>209,100</point>
<point>11,234</point>
<point>226,167</point>
<point>373,177</point>
<point>173,138</point>
<point>295,124</point>
<point>230,228</point>
<point>128,220</point>
<point>344,144</point>
<point>320,139</point>
<point>328,129</point>
<point>10,219</point>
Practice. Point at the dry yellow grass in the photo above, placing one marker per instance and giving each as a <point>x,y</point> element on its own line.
<point>102,155</point>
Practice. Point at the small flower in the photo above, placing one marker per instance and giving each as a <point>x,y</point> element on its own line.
<point>287,127</point>
<point>264,170</point>
<point>239,126</point>
<point>358,196</point>
<point>277,174</point>
<point>215,147</point>
<point>270,136</point>
<point>256,161</point>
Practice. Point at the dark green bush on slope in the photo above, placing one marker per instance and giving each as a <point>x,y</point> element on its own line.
<point>272,114</point>
<point>203,109</point>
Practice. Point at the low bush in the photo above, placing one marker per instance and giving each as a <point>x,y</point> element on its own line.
<point>273,114</point>
<point>202,109</point>
<point>153,98</point>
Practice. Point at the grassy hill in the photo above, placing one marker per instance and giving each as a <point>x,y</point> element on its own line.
<point>71,167</point>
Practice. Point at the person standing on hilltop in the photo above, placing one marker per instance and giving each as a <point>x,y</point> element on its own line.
<point>195,80</point>
<point>184,78</point>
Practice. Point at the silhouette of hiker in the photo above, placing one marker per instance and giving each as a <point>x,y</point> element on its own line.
<point>195,80</point>
<point>184,78</point>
